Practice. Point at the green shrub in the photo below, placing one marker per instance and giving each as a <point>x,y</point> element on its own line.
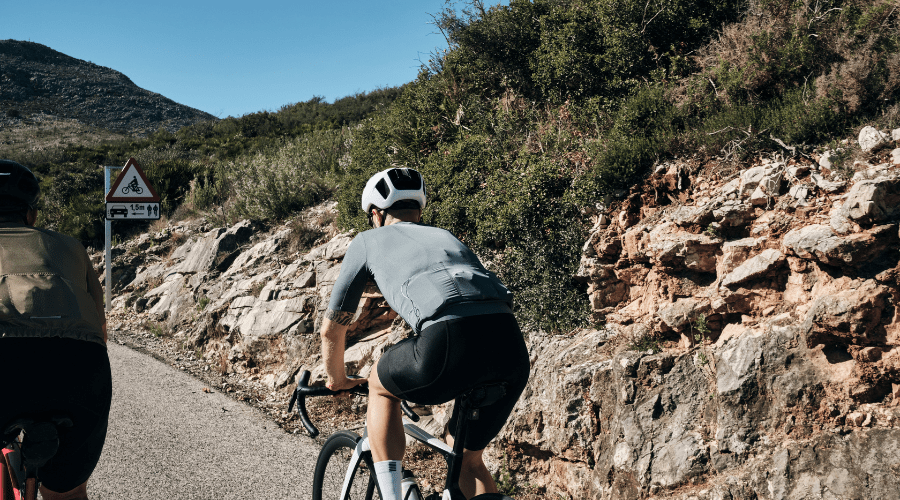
<point>275,184</point>
<point>512,208</point>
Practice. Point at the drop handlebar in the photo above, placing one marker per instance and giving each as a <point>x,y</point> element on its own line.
<point>305,390</point>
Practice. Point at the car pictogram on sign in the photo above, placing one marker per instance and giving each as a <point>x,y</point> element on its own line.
<point>118,210</point>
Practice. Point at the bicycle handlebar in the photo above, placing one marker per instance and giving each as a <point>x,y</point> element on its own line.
<point>305,390</point>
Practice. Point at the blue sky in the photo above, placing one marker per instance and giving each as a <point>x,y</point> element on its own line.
<point>231,58</point>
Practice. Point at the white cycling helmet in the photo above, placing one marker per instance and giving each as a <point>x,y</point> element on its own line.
<point>392,185</point>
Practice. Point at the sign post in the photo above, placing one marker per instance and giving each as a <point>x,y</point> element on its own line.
<point>130,197</point>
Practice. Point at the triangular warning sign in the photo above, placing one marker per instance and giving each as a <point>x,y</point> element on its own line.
<point>132,185</point>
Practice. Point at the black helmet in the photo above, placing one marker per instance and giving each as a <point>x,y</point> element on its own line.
<point>19,187</point>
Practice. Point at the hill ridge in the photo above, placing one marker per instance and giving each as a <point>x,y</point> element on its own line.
<point>35,79</point>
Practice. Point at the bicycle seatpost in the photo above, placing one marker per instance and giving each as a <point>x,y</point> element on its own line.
<point>466,413</point>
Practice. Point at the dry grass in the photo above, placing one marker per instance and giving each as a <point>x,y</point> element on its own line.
<point>159,225</point>
<point>44,137</point>
<point>303,236</point>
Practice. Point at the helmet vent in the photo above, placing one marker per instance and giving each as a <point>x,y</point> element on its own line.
<point>405,179</point>
<point>382,189</point>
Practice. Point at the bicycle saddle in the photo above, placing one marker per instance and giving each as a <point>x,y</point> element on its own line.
<point>40,441</point>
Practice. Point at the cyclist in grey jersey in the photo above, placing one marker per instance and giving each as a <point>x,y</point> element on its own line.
<point>466,333</point>
<point>424,272</point>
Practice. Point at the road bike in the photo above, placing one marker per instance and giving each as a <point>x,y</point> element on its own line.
<point>132,186</point>
<point>27,445</point>
<point>344,469</point>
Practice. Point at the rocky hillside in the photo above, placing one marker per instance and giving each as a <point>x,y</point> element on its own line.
<point>751,346</point>
<point>37,80</point>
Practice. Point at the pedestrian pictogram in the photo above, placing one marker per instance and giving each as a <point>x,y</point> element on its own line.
<point>132,186</point>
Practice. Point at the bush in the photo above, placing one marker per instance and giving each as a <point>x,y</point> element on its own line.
<point>511,207</point>
<point>550,50</point>
<point>273,185</point>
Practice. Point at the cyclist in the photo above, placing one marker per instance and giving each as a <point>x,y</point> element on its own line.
<point>466,334</point>
<point>52,336</point>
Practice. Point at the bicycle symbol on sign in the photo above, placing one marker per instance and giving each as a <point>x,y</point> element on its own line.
<point>133,187</point>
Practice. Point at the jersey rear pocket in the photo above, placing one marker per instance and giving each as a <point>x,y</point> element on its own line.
<point>442,286</point>
<point>38,296</point>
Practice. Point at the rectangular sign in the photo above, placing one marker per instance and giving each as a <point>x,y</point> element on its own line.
<point>132,211</point>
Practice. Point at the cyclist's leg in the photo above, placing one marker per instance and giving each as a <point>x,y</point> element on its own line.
<point>78,493</point>
<point>474,478</point>
<point>73,380</point>
<point>384,422</point>
<point>495,345</point>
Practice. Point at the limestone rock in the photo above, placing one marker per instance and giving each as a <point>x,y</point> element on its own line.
<point>895,156</point>
<point>847,312</point>
<point>335,249</point>
<point>202,255</point>
<point>257,254</point>
<point>756,267</point>
<point>759,197</point>
<point>872,201</point>
<point>307,279</point>
<point>738,363</point>
<point>826,185</point>
<point>733,213</point>
<point>820,243</point>
<point>678,315</point>
<point>269,318</point>
<point>734,253</point>
<point>799,192</point>
<point>870,138</point>
<point>825,160</point>
<point>750,180</point>
<point>695,251</point>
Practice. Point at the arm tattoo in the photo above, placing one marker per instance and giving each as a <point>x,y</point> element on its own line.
<point>340,317</point>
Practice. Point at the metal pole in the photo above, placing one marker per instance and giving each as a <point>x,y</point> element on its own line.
<point>108,241</point>
<point>107,179</point>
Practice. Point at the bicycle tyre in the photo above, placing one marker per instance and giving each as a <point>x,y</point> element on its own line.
<point>331,467</point>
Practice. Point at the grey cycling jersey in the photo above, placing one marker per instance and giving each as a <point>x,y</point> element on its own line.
<point>425,274</point>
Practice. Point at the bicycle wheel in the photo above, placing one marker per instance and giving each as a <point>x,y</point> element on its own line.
<point>332,465</point>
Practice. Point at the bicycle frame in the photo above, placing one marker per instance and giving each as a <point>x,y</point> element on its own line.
<point>41,440</point>
<point>22,484</point>
<point>451,490</point>
<point>468,403</point>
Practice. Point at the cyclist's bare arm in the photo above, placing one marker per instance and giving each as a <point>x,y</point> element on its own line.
<point>334,335</point>
<point>96,291</point>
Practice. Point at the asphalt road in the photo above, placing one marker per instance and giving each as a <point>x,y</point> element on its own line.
<point>169,439</point>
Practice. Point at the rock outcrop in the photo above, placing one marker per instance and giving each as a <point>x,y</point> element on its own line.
<point>750,345</point>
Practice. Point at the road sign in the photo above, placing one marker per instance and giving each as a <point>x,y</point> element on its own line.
<point>132,186</point>
<point>118,210</point>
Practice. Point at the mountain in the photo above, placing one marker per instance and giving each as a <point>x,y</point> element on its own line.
<point>35,79</point>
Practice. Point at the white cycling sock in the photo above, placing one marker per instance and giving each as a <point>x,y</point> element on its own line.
<point>389,475</point>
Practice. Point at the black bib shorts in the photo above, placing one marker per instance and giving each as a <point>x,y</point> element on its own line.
<point>453,356</point>
<point>51,376</point>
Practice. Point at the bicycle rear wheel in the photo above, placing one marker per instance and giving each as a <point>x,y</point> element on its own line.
<point>331,469</point>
